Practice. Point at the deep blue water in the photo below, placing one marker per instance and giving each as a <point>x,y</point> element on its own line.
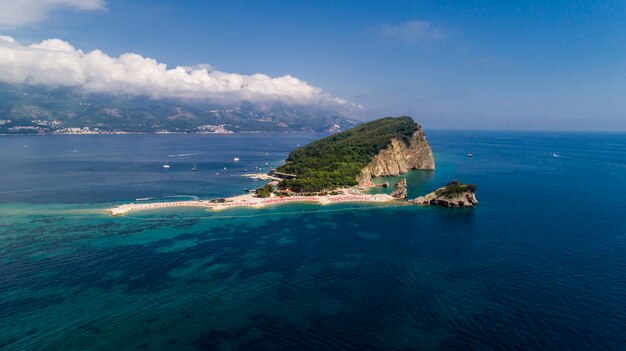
<point>539,264</point>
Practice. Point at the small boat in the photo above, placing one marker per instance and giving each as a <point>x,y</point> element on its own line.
<point>194,168</point>
<point>217,173</point>
<point>555,155</point>
<point>166,165</point>
<point>267,164</point>
<point>224,168</point>
<point>236,159</point>
<point>245,170</point>
<point>470,155</point>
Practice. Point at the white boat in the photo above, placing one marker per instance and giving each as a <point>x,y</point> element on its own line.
<point>236,159</point>
<point>470,155</point>
<point>194,168</point>
<point>166,165</point>
<point>555,155</point>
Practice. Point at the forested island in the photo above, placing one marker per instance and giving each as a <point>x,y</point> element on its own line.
<point>385,147</point>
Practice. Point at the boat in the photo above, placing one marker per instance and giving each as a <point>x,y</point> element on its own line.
<point>245,170</point>
<point>194,168</point>
<point>555,155</point>
<point>267,164</point>
<point>166,165</point>
<point>470,155</point>
<point>236,159</point>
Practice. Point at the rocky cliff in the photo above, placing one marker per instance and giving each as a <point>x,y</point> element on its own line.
<point>398,158</point>
<point>455,194</point>
<point>400,191</point>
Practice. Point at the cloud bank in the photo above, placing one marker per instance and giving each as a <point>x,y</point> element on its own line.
<point>15,13</point>
<point>414,32</point>
<point>54,62</point>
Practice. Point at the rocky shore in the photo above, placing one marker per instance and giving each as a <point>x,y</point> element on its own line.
<point>455,194</point>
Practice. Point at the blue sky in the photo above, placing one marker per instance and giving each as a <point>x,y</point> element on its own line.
<point>550,65</point>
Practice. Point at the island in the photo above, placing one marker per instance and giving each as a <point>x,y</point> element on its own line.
<point>454,194</point>
<point>339,169</point>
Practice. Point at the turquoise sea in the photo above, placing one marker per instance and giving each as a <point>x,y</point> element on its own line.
<point>540,264</point>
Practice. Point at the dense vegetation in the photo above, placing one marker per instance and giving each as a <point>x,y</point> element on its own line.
<point>454,188</point>
<point>335,161</point>
<point>264,191</point>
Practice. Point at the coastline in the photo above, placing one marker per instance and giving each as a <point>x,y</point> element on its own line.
<point>251,201</point>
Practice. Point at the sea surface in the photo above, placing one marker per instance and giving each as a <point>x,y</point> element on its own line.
<point>540,264</point>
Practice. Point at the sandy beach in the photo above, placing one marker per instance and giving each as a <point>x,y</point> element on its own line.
<point>250,200</point>
<point>261,176</point>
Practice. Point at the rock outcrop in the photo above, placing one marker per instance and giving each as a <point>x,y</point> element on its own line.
<point>455,194</point>
<point>399,191</point>
<point>398,158</point>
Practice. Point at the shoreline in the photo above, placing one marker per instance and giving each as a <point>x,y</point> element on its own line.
<point>250,201</point>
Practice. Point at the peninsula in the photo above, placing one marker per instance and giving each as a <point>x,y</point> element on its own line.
<point>338,169</point>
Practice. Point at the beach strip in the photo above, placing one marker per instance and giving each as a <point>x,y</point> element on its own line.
<point>249,200</point>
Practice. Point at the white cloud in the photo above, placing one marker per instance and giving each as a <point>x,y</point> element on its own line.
<point>414,32</point>
<point>15,13</point>
<point>54,62</point>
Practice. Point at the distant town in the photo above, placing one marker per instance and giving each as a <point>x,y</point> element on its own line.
<point>40,126</point>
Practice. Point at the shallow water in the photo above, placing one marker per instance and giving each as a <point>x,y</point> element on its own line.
<point>539,264</point>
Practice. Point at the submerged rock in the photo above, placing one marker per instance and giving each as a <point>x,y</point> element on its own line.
<point>455,194</point>
<point>399,191</point>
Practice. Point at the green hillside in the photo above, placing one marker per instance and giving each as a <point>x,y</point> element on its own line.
<point>38,107</point>
<point>335,161</point>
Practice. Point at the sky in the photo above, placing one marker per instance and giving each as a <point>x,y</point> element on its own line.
<point>526,65</point>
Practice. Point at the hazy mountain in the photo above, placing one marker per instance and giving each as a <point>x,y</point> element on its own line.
<point>37,109</point>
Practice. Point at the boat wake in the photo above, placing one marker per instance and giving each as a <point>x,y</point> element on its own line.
<point>588,159</point>
<point>182,155</point>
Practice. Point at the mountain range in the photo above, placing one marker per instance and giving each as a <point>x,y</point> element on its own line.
<point>31,109</point>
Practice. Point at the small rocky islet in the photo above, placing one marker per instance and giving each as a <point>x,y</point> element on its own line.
<point>454,194</point>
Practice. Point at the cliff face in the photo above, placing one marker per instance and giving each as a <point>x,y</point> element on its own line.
<point>399,158</point>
